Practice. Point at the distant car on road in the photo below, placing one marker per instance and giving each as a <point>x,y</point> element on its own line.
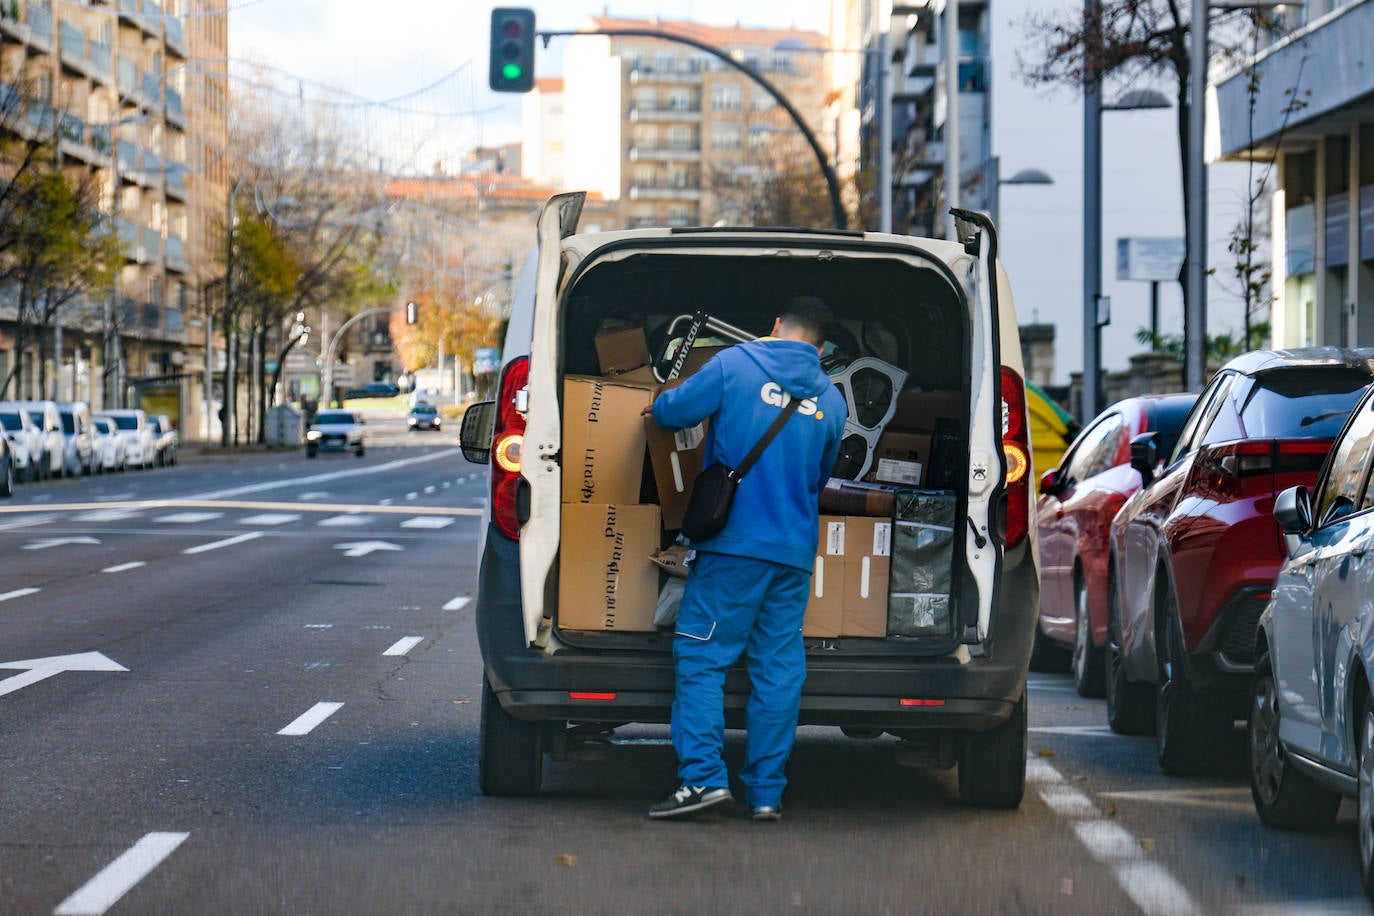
<point>6,468</point>
<point>26,442</point>
<point>78,455</point>
<point>373,390</point>
<point>47,454</point>
<point>1078,500</point>
<point>1194,552</point>
<point>140,442</point>
<point>108,445</point>
<point>165,439</point>
<point>424,416</point>
<point>335,431</point>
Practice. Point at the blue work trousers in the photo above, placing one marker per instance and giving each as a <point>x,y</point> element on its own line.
<point>733,606</point>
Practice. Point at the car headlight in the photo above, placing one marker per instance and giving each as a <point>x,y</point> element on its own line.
<point>313,434</point>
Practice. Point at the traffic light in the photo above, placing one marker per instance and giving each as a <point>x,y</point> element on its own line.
<point>412,313</point>
<point>512,49</point>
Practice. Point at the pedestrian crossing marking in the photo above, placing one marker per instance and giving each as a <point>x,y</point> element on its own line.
<point>342,521</point>
<point>431,522</point>
<point>188,518</point>
<point>270,518</point>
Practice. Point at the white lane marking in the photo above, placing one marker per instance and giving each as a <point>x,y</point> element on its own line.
<point>124,567</point>
<point>188,518</point>
<point>384,502</point>
<point>26,522</point>
<point>305,723</point>
<point>18,593</point>
<point>342,521</point>
<point>432,522</point>
<point>314,494</point>
<point>457,604</point>
<point>1349,905</point>
<point>479,502</point>
<point>404,645</point>
<point>1105,840</point>
<point>119,877</point>
<point>1066,801</point>
<point>107,515</point>
<point>227,542</point>
<point>428,490</point>
<point>45,543</point>
<point>446,484</point>
<point>1090,731</point>
<point>412,495</point>
<point>1038,770</point>
<point>270,518</point>
<point>319,626</point>
<point>332,475</point>
<point>1154,890</point>
<point>363,548</point>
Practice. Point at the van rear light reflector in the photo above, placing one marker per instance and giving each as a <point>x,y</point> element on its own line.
<point>506,454</point>
<point>586,695</point>
<point>916,701</point>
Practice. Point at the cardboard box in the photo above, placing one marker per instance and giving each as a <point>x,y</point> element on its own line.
<point>621,350</point>
<point>918,410</point>
<point>825,609</point>
<point>606,579</point>
<point>603,440</point>
<point>676,458</point>
<point>901,458</point>
<point>867,565</point>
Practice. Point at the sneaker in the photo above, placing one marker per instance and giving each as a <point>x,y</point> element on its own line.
<point>765,813</point>
<point>689,800</point>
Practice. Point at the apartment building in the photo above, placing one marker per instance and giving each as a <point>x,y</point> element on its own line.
<point>136,92</point>
<point>676,135</point>
<point>542,133</point>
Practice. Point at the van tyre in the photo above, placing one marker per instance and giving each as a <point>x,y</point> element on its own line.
<point>1365,796</point>
<point>1284,797</point>
<point>1130,705</point>
<point>1187,724</point>
<point>992,765</point>
<point>1088,664</point>
<point>510,757</point>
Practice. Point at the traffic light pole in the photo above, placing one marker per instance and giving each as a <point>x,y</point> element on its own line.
<point>327,368</point>
<point>831,181</point>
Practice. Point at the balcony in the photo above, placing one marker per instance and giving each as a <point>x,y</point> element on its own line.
<point>131,239</point>
<point>87,58</point>
<point>176,37</point>
<point>35,29</point>
<point>176,180</point>
<point>666,190</point>
<point>86,142</point>
<point>176,113</point>
<point>654,111</point>
<point>127,78</point>
<point>144,14</point>
<point>150,240</point>
<point>665,152</point>
<point>176,254</point>
<point>641,74</point>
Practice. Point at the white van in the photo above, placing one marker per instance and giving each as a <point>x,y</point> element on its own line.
<point>47,459</point>
<point>78,453</point>
<point>938,315</point>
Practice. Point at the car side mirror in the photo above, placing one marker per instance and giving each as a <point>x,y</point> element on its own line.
<point>1049,481</point>
<point>474,437</point>
<point>1293,511</point>
<point>1145,456</point>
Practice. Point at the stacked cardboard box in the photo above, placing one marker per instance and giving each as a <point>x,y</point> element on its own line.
<point>850,581</point>
<point>904,450</point>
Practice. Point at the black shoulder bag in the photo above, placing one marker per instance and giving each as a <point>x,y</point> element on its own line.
<point>713,492</point>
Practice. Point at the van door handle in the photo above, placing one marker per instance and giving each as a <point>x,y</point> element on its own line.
<point>1359,552</point>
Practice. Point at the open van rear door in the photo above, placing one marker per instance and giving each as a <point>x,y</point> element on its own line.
<point>540,466</point>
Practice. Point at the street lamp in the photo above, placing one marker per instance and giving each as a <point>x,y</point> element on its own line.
<point>1024,176</point>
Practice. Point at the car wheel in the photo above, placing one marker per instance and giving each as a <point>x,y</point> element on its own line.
<point>1284,797</point>
<point>1047,656</point>
<point>1366,797</point>
<point>510,758</point>
<point>361,451</point>
<point>1187,725</point>
<point>1130,705</point>
<point>7,479</point>
<point>311,451</point>
<point>992,764</point>
<point>1089,665</point>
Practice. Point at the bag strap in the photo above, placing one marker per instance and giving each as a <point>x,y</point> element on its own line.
<point>762,444</point>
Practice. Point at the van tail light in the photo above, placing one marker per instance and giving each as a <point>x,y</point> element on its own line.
<point>1016,448</point>
<point>1251,468</point>
<point>507,439</point>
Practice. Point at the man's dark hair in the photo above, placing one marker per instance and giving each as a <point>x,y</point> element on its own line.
<point>809,315</point>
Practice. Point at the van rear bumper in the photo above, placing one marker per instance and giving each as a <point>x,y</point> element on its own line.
<point>851,690</point>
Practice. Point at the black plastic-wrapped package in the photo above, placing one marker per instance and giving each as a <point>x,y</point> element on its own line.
<point>922,564</point>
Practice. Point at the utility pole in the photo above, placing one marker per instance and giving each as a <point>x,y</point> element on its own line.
<point>1092,222</point>
<point>952,153</point>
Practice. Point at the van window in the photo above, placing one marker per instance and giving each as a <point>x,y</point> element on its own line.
<point>69,424</point>
<point>11,422</point>
<point>125,422</point>
<point>38,419</point>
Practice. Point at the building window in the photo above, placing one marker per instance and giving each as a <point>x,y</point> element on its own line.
<point>725,136</point>
<point>726,97</point>
<point>680,137</point>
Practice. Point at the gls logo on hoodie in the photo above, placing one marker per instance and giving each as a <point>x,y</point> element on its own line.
<point>774,396</point>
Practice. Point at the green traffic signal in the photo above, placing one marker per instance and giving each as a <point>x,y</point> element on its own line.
<point>512,49</point>
<point>512,71</point>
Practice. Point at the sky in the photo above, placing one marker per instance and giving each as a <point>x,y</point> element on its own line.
<point>429,58</point>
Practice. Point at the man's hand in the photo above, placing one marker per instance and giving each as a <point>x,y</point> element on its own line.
<point>647,412</point>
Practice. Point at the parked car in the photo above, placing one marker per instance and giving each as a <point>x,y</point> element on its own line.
<point>1311,722</point>
<point>424,416</point>
<point>77,450</point>
<point>1078,501</point>
<point>335,431</point>
<point>165,439</point>
<point>25,440</point>
<point>1195,551</point>
<point>140,442</point>
<point>6,467</point>
<point>109,446</point>
<point>955,694</point>
<point>373,390</point>
<point>47,455</point>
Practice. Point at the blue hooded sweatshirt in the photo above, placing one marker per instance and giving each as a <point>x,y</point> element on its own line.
<point>741,389</point>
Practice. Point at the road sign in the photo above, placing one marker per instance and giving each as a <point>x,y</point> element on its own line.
<point>40,669</point>
<point>1155,259</point>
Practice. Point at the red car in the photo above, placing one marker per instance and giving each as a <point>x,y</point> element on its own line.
<point>1077,503</point>
<point>1194,552</point>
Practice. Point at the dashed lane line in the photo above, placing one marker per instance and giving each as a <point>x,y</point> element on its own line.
<point>342,521</point>
<point>383,468</point>
<point>227,542</point>
<point>188,518</point>
<point>1148,883</point>
<point>404,645</point>
<point>431,522</point>
<point>18,593</point>
<point>306,722</point>
<point>457,604</point>
<point>124,567</point>
<point>25,522</point>
<point>108,515</point>
<point>271,518</point>
<point>119,877</point>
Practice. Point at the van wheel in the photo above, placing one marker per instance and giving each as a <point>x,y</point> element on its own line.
<point>1284,798</point>
<point>1366,796</point>
<point>992,765</point>
<point>1187,725</point>
<point>511,755</point>
<point>1130,705</point>
<point>1088,665</point>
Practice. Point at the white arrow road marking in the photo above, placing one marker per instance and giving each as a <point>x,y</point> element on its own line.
<point>227,542</point>
<point>107,515</point>
<point>363,548</point>
<point>428,490</point>
<point>45,543</point>
<point>188,518</point>
<point>457,604</point>
<point>270,518</point>
<point>124,567</point>
<point>40,669</point>
<point>26,522</point>
<point>412,495</point>
<point>404,645</point>
<point>432,522</point>
<point>342,521</point>
<point>305,723</point>
<point>18,593</point>
<point>116,879</point>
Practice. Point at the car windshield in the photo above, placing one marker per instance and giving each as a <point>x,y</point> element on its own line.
<point>68,424</point>
<point>11,422</point>
<point>1307,402</point>
<point>1169,417</point>
<point>125,422</point>
<point>334,417</point>
<point>37,417</point>
<point>425,408</point>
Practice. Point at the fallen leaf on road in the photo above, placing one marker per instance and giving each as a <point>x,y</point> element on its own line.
<point>1111,809</point>
<point>1066,886</point>
<point>461,702</point>
<point>1147,844</point>
<point>565,859</point>
<point>1046,752</point>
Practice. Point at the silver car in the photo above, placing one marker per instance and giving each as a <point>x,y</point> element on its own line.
<point>26,443</point>
<point>335,431</point>
<point>107,444</point>
<point>1312,702</point>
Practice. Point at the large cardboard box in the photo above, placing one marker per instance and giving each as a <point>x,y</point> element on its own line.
<point>676,458</point>
<point>603,440</point>
<point>901,458</point>
<point>606,580</point>
<point>621,350</point>
<point>825,609</point>
<point>918,410</point>
<point>867,564</point>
